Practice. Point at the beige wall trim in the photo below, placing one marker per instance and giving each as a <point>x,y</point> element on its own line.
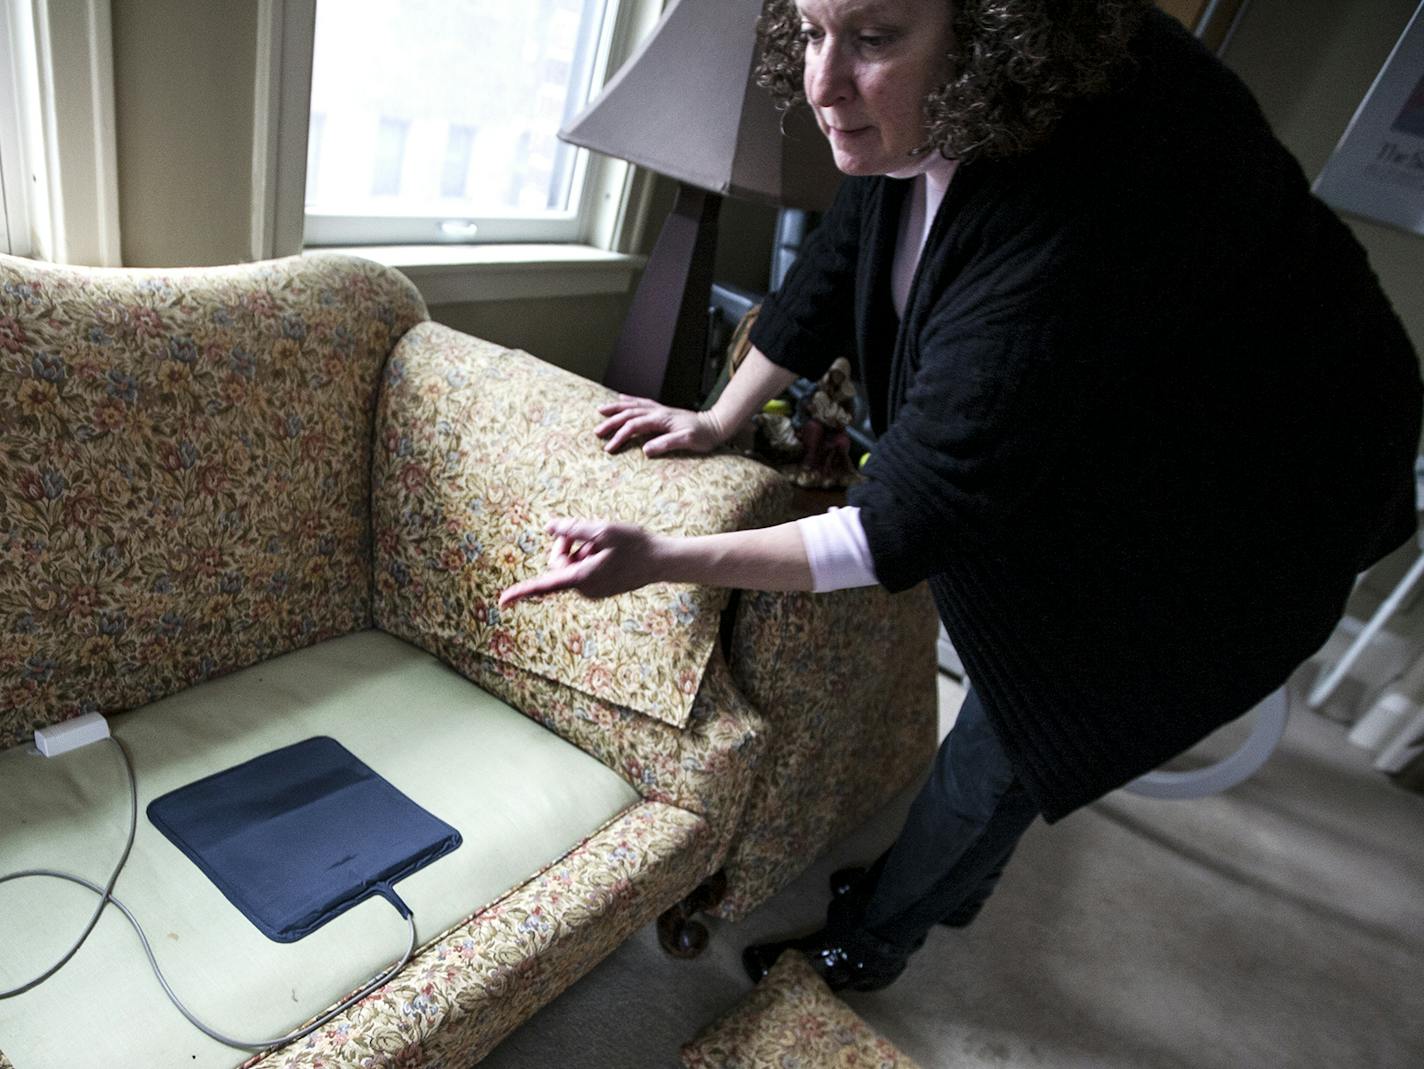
<point>281,114</point>
<point>75,59</point>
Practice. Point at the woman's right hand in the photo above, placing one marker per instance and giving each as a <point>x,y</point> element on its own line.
<point>595,558</point>
<point>666,429</point>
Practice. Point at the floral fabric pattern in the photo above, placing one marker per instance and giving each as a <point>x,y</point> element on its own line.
<point>183,472</point>
<point>470,987</point>
<point>478,447</point>
<point>791,1020</point>
<point>203,469</point>
<point>846,683</point>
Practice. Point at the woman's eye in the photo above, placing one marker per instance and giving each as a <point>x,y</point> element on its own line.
<point>873,40</point>
<point>810,33</point>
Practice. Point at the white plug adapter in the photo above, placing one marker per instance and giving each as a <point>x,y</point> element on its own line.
<point>71,734</point>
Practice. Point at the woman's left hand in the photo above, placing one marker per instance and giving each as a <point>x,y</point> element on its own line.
<point>595,558</point>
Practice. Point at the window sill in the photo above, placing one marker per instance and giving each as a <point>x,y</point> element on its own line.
<point>458,274</point>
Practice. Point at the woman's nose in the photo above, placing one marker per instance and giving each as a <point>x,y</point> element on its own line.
<point>827,78</point>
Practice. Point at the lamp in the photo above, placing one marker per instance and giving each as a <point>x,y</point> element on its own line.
<point>686,105</point>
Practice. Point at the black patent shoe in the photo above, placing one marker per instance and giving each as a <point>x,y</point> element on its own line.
<point>844,881</point>
<point>853,961</point>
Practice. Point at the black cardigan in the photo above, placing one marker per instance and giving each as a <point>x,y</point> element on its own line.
<point>1148,415</point>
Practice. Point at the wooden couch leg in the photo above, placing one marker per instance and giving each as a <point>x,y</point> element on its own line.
<point>678,933</point>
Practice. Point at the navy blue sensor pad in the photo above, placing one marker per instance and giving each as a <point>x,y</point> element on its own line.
<point>298,836</point>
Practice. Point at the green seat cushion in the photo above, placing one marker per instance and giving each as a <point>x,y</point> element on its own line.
<point>519,795</point>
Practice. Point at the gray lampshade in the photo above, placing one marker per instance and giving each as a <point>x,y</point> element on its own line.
<point>686,105</point>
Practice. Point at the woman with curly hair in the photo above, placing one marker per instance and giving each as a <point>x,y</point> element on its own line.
<point>1142,411</point>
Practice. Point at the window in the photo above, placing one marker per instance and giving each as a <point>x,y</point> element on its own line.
<point>58,156</point>
<point>16,37</point>
<point>437,120</point>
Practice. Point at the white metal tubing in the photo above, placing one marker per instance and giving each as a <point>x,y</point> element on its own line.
<point>1330,677</point>
<point>1266,732</point>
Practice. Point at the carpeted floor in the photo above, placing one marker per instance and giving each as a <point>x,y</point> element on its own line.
<point>1279,924</point>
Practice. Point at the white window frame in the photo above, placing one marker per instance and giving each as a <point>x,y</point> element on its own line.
<point>15,44</point>
<point>62,165</point>
<point>493,228</point>
<point>612,208</point>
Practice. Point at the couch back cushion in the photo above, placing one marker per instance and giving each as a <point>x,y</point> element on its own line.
<point>184,472</point>
<point>478,447</point>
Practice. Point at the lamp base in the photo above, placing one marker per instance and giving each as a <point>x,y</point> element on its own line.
<point>663,343</point>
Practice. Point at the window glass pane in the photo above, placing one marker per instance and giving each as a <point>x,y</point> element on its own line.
<point>315,129</point>
<point>457,161</point>
<point>449,107</point>
<point>390,156</point>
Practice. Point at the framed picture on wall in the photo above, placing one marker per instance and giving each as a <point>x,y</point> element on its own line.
<point>1377,169</point>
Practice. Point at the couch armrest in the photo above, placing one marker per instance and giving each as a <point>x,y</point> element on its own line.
<point>477,448</point>
<point>846,682</point>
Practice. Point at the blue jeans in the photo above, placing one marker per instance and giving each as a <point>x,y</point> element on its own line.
<point>960,833</point>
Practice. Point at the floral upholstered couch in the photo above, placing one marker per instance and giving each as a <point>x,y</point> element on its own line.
<point>236,500</point>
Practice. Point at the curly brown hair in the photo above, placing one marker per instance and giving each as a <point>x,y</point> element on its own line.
<point>1017,65</point>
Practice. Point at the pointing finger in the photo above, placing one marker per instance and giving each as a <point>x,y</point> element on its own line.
<point>555,579</point>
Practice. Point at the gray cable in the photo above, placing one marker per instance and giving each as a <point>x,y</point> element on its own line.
<point>103,892</point>
<point>106,896</point>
